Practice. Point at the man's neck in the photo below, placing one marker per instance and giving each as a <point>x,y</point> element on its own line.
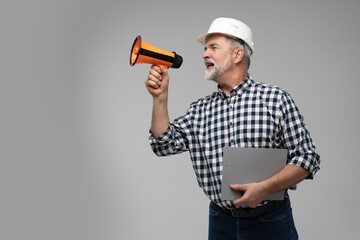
<point>230,79</point>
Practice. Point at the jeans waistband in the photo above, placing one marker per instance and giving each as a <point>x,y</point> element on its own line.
<point>251,212</point>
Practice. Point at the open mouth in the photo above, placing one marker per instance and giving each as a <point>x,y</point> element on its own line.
<point>209,64</point>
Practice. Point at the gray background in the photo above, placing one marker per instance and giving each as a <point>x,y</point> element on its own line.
<point>75,159</point>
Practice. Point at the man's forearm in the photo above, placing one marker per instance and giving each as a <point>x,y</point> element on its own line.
<point>160,117</point>
<point>254,193</point>
<point>289,176</point>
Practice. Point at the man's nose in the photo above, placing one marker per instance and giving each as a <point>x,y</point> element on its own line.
<point>206,55</point>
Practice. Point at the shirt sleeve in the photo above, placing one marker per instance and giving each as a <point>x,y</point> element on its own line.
<point>175,139</point>
<point>297,138</point>
<point>169,143</point>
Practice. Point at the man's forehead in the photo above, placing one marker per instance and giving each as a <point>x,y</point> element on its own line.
<point>215,39</point>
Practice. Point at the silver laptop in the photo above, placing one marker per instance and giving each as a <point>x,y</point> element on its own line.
<point>247,165</point>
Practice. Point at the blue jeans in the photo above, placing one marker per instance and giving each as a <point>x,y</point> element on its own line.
<point>277,224</point>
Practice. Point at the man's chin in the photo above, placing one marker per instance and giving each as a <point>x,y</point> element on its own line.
<point>209,75</point>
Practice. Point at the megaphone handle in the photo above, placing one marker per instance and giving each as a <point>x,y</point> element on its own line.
<point>159,65</point>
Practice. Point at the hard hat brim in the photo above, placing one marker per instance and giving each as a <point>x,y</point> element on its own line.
<point>202,39</point>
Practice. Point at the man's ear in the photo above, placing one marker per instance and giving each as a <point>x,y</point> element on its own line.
<point>238,55</point>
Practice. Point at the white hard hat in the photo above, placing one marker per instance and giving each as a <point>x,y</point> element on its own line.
<point>232,28</point>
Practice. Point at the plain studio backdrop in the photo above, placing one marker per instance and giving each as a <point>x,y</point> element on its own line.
<point>75,158</point>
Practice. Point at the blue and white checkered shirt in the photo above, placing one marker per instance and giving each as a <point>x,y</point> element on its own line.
<point>255,115</point>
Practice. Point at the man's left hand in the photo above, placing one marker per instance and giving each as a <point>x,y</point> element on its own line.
<point>253,194</point>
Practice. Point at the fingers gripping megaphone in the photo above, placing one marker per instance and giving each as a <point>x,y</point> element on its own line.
<point>142,52</point>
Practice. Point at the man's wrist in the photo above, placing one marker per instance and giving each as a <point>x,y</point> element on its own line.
<point>268,186</point>
<point>162,99</point>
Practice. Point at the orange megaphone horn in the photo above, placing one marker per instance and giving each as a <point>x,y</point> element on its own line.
<point>142,52</point>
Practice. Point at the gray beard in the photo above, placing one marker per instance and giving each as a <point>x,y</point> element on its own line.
<point>218,69</point>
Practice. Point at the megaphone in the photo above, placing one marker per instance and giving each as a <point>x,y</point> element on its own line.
<point>142,52</point>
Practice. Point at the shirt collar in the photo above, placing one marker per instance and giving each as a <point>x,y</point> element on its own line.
<point>239,89</point>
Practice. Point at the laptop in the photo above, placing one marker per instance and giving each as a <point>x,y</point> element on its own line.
<point>247,165</point>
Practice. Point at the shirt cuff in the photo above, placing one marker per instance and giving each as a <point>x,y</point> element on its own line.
<point>308,162</point>
<point>163,138</point>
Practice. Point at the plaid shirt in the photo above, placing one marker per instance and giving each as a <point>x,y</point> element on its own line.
<point>255,115</point>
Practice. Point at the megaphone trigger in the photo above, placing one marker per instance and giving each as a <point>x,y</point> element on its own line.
<point>142,52</point>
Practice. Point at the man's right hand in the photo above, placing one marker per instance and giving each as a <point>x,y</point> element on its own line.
<point>157,82</point>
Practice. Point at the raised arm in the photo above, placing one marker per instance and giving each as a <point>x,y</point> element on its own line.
<point>157,84</point>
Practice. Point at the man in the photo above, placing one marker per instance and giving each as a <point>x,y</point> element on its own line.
<point>242,113</point>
